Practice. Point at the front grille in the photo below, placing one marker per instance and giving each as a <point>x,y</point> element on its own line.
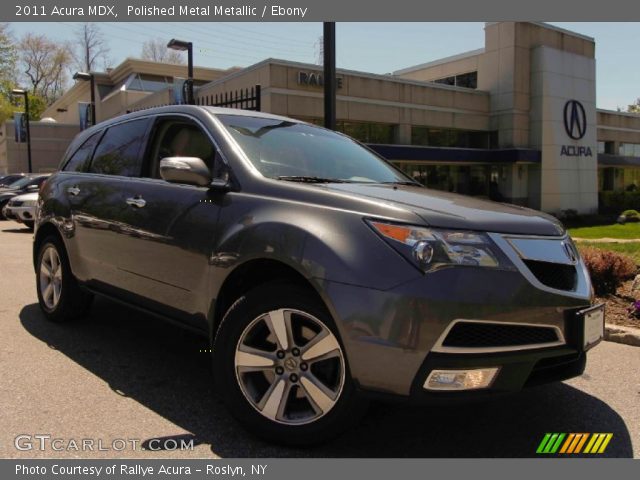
<point>488,335</point>
<point>554,275</point>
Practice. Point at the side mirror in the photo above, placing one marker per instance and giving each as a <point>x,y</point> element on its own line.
<point>189,170</point>
<point>33,188</point>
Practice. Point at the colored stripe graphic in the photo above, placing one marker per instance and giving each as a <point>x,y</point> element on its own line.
<point>607,439</point>
<point>543,443</point>
<point>574,443</point>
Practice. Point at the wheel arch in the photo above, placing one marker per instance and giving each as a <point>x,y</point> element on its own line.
<point>44,230</point>
<point>251,274</point>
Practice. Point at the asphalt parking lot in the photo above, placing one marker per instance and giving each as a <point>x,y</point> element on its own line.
<point>121,375</point>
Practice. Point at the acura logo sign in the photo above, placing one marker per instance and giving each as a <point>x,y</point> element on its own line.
<point>575,119</point>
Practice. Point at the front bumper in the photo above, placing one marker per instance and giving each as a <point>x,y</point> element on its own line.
<point>389,336</point>
<point>7,213</point>
<point>20,214</point>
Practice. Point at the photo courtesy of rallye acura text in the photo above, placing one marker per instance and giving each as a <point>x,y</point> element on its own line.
<point>321,274</point>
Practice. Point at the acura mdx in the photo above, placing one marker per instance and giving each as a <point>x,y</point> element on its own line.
<point>320,273</point>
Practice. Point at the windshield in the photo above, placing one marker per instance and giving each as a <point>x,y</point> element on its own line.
<point>293,151</point>
<point>20,183</point>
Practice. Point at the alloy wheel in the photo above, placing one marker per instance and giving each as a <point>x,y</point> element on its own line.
<point>290,366</point>
<point>50,277</point>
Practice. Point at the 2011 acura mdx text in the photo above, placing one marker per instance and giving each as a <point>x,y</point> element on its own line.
<point>321,274</point>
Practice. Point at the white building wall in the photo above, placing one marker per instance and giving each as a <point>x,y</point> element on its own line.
<point>567,181</point>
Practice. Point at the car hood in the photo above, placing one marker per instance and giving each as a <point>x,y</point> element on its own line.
<point>450,210</point>
<point>26,196</point>
<point>9,193</point>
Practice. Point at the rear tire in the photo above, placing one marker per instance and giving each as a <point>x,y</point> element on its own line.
<point>60,297</point>
<point>281,369</point>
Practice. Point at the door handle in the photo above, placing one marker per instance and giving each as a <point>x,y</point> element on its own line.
<point>73,190</point>
<point>137,201</point>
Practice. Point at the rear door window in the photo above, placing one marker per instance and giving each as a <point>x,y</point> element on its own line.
<point>120,150</point>
<point>79,161</point>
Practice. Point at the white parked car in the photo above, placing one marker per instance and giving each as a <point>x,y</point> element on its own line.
<point>22,208</point>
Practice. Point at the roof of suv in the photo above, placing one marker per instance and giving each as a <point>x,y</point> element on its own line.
<point>193,109</point>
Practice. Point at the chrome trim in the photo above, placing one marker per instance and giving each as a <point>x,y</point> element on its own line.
<point>440,348</point>
<point>582,290</point>
<point>544,250</point>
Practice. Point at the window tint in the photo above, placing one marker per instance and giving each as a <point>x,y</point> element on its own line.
<point>180,139</point>
<point>80,160</point>
<point>119,150</point>
<point>280,148</point>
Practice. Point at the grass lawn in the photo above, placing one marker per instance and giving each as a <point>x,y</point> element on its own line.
<point>629,230</point>
<point>630,248</point>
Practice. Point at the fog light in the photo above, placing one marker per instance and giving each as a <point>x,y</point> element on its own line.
<point>460,379</point>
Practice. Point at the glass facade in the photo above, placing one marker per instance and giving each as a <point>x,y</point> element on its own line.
<point>467,80</point>
<point>382,133</point>
<point>477,180</point>
<point>629,149</point>
<point>451,137</point>
<point>611,179</point>
<point>368,132</point>
<point>144,82</point>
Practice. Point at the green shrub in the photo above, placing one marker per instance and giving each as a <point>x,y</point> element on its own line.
<point>607,269</point>
<point>631,215</point>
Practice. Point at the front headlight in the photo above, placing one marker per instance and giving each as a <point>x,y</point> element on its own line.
<point>29,203</point>
<point>431,248</point>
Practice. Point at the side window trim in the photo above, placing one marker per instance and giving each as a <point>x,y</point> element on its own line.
<point>99,134</point>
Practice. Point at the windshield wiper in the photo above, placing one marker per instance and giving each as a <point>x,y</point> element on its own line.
<point>310,179</point>
<point>401,182</point>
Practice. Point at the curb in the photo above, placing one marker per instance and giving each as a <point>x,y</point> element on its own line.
<point>620,334</point>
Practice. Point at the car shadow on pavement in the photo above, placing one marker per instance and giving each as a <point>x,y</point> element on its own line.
<point>166,370</point>
<point>17,230</point>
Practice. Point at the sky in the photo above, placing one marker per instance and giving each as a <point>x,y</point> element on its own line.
<point>369,47</point>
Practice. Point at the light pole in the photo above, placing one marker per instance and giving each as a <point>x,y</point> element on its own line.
<point>181,46</point>
<point>25,94</point>
<point>329,38</point>
<point>84,76</point>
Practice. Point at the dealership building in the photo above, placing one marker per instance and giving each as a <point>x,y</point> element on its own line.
<point>515,120</point>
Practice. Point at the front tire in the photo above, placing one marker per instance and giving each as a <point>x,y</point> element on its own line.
<point>281,369</point>
<point>59,295</point>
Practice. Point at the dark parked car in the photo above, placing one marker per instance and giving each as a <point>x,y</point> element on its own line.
<point>320,273</point>
<point>6,180</point>
<point>28,184</point>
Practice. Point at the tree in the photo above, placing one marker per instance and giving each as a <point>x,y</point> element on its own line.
<point>634,107</point>
<point>92,48</point>
<point>44,64</point>
<point>157,51</point>
<point>8,55</point>
<point>8,58</point>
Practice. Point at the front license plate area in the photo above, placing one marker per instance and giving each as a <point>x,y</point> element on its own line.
<point>593,321</point>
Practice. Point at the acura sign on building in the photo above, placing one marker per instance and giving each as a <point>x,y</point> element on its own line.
<point>575,124</point>
<point>563,124</point>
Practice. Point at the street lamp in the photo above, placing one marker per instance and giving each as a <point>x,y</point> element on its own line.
<point>181,46</point>
<point>84,76</point>
<point>329,39</point>
<point>25,94</point>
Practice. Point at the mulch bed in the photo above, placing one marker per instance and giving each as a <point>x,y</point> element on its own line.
<point>618,305</point>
